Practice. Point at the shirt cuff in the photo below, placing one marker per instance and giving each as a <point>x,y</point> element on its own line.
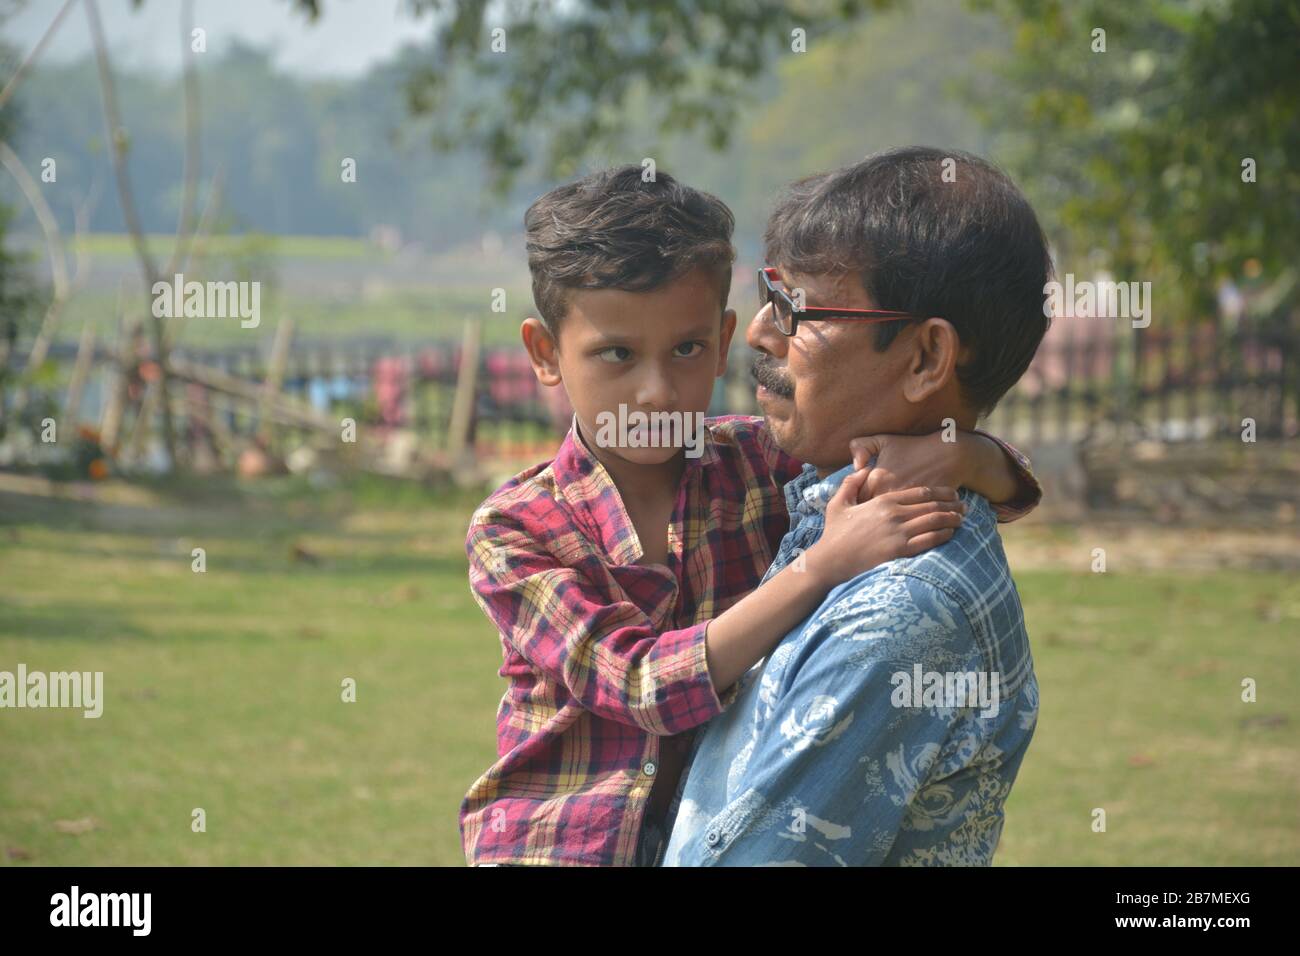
<point>695,698</point>
<point>1031,492</point>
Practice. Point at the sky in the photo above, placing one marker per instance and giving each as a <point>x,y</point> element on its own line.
<point>350,36</point>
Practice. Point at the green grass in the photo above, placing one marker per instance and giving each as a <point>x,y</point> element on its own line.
<point>406,297</point>
<point>223,690</point>
<point>400,314</point>
<point>1141,715</point>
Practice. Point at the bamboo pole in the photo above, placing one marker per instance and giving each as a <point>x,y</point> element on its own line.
<point>135,445</point>
<point>462,407</point>
<point>80,372</point>
<point>274,374</point>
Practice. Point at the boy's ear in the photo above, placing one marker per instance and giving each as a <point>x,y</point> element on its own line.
<point>724,340</point>
<point>542,351</point>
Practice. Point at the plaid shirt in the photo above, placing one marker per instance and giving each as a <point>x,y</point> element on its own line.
<point>604,656</point>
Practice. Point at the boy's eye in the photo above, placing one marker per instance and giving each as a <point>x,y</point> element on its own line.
<point>620,353</point>
<point>604,354</point>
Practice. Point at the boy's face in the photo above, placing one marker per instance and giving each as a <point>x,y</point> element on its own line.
<point>656,351</point>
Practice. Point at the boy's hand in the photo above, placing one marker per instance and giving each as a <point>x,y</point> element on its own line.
<point>906,461</point>
<point>898,524</point>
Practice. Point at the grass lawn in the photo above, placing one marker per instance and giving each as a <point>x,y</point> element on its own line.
<point>333,287</point>
<point>222,690</point>
<point>119,245</point>
<point>402,315</point>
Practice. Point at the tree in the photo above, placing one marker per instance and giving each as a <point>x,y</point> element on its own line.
<point>1155,137</point>
<point>19,295</point>
<point>1159,138</point>
<point>568,72</point>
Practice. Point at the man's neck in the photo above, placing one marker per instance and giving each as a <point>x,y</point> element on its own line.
<point>965,421</point>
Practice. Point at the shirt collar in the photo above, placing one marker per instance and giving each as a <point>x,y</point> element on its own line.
<point>594,498</point>
<point>808,494</point>
<point>707,456</point>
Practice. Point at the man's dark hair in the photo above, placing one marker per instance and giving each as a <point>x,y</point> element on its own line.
<point>970,250</point>
<point>611,230</point>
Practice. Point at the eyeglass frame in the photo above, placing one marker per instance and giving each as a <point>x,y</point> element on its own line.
<point>768,293</point>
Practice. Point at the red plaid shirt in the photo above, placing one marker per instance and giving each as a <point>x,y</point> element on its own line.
<point>603,656</point>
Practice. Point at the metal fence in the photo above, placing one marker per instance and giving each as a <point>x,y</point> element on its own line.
<point>1194,383</point>
<point>1168,385</point>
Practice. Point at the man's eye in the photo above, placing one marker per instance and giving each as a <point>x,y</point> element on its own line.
<point>689,345</point>
<point>604,354</point>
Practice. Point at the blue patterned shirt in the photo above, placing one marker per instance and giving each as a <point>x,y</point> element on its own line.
<point>886,729</point>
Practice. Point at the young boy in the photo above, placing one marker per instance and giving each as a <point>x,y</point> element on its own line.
<point>620,573</point>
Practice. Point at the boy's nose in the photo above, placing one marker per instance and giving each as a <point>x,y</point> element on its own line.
<point>656,391</point>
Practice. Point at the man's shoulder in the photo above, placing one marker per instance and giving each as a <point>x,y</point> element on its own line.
<point>967,568</point>
<point>940,604</point>
<point>885,611</point>
<point>969,574</point>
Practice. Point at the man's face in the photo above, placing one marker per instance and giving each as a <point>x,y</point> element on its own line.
<point>657,351</point>
<point>827,383</point>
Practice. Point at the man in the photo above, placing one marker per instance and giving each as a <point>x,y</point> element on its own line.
<point>888,727</point>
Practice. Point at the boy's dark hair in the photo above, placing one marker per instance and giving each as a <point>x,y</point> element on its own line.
<point>970,251</point>
<point>611,230</point>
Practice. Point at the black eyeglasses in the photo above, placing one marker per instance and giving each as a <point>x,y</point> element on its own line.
<point>787,316</point>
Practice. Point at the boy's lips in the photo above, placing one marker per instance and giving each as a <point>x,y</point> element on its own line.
<point>646,433</point>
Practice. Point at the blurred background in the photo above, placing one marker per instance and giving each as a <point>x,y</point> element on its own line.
<point>368,164</point>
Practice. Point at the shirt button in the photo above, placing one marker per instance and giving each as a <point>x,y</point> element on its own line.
<point>649,768</point>
<point>712,837</point>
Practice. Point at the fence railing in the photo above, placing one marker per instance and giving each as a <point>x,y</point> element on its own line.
<point>1087,383</point>
<point>1183,384</point>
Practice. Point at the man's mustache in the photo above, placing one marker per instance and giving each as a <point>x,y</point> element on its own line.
<point>764,372</point>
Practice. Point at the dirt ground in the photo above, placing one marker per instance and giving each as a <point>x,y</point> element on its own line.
<point>1042,540</point>
<point>1034,543</point>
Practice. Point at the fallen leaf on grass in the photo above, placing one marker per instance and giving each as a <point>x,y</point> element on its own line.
<point>1265,720</point>
<point>1199,669</point>
<point>77,827</point>
<point>298,553</point>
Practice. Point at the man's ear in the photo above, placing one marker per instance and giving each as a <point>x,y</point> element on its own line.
<point>542,351</point>
<point>935,350</point>
<point>724,341</point>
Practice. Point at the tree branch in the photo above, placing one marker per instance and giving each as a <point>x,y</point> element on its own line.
<point>12,85</point>
<point>193,156</point>
<point>117,150</point>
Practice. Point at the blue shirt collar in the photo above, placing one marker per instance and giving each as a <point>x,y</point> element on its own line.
<point>807,494</point>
